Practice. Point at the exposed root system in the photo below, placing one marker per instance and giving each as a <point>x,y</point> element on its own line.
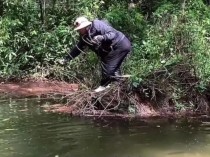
<point>114,101</point>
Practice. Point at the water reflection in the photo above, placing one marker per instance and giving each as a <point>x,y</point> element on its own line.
<point>27,131</point>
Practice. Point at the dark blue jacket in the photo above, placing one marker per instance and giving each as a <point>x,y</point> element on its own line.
<point>98,27</point>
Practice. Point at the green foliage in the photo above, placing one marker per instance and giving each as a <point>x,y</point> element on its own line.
<point>170,41</point>
<point>173,59</point>
<point>120,17</point>
<point>34,35</point>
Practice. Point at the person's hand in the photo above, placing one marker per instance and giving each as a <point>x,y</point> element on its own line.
<point>62,62</point>
<point>98,39</point>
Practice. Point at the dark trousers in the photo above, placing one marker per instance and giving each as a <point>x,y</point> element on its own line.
<point>111,63</point>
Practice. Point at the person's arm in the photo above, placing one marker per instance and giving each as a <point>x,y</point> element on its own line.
<point>78,48</point>
<point>107,32</point>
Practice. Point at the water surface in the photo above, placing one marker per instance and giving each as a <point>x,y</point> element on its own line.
<point>27,131</point>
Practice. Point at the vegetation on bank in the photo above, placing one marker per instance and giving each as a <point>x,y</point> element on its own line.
<point>170,59</point>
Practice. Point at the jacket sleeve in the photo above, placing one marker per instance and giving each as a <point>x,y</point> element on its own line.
<point>78,48</point>
<point>105,30</point>
<point>109,35</point>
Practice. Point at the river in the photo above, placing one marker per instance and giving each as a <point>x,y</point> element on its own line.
<point>26,130</point>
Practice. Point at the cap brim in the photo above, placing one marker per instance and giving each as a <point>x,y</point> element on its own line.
<point>83,25</point>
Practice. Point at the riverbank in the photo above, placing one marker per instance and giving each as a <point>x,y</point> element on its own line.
<point>116,102</point>
<point>36,88</point>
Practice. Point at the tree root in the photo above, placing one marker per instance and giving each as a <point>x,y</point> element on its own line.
<point>118,100</point>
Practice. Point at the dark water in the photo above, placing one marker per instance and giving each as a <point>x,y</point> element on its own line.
<point>27,131</point>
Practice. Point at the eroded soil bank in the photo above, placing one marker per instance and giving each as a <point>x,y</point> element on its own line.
<point>86,103</point>
<point>36,88</point>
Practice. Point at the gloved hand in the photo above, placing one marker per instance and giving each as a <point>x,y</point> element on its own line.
<point>98,39</point>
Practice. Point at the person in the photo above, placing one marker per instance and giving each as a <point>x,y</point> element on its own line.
<point>110,45</point>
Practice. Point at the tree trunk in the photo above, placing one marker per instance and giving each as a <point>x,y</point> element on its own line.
<point>1,7</point>
<point>41,11</point>
<point>54,3</point>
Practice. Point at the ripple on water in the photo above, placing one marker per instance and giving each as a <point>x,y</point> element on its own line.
<point>26,131</point>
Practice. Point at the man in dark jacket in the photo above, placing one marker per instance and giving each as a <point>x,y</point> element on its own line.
<point>110,45</point>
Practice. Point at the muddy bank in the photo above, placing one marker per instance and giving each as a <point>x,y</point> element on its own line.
<point>78,102</point>
<point>114,103</point>
<point>36,88</point>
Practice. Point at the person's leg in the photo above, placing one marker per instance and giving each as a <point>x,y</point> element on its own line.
<point>112,62</point>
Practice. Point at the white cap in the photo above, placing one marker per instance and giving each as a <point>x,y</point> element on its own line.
<point>81,22</point>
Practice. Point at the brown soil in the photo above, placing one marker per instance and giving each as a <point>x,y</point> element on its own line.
<point>43,88</point>
<point>37,88</point>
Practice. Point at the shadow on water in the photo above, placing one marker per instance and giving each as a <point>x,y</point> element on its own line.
<point>27,131</point>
